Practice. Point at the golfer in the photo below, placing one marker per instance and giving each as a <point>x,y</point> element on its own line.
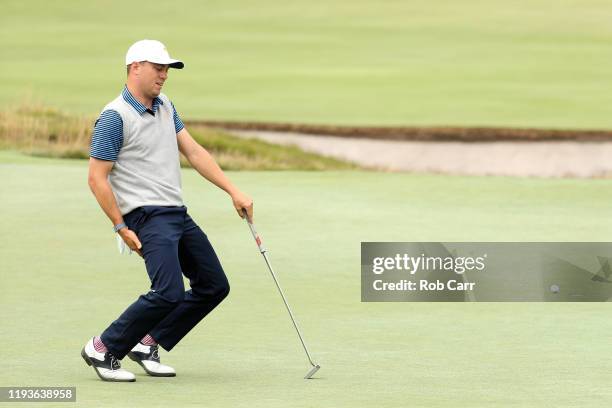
<point>134,173</point>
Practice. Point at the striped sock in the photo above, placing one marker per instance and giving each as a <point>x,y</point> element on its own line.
<point>99,346</point>
<point>148,340</point>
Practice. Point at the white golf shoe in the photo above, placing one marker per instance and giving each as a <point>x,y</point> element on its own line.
<point>107,366</point>
<point>148,358</point>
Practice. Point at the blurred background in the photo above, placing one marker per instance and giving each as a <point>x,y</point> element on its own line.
<point>497,63</point>
<point>274,70</point>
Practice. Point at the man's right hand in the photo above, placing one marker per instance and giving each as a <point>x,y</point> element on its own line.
<point>131,240</point>
<point>99,171</point>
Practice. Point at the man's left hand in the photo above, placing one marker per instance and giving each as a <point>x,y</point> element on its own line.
<point>242,201</point>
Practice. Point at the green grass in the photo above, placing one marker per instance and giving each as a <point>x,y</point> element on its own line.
<point>538,63</point>
<point>62,281</point>
<point>49,132</point>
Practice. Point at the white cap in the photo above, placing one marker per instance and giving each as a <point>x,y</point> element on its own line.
<point>152,51</point>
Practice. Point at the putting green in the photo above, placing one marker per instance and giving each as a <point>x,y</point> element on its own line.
<point>519,63</point>
<point>63,281</point>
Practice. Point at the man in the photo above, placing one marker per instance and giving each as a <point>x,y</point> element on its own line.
<point>134,173</point>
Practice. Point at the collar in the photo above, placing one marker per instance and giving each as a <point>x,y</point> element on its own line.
<point>139,107</point>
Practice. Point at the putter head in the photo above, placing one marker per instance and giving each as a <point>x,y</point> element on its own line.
<point>312,372</point>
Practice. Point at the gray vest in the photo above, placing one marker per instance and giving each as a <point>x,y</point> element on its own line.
<point>147,170</point>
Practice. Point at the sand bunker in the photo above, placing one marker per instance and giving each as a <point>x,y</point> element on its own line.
<point>582,159</point>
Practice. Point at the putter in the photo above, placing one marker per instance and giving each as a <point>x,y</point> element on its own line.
<point>262,250</point>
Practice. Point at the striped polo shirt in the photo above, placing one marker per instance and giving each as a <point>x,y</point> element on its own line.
<point>107,137</point>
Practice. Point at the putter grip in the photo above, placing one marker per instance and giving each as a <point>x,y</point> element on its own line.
<point>254,232</point>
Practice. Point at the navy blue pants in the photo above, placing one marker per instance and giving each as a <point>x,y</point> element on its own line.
<point>172,245</point>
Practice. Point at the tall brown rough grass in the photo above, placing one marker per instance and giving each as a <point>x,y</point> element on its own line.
<point>45,131</point>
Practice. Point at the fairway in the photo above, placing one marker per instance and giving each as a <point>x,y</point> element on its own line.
<point>63,281</point>
<point>538,63</point>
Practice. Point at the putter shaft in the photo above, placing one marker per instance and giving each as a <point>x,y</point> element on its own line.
<point>262,250</point>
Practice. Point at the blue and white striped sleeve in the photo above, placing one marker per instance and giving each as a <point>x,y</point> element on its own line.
<point>178,123</point>
<point>107,137</point>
